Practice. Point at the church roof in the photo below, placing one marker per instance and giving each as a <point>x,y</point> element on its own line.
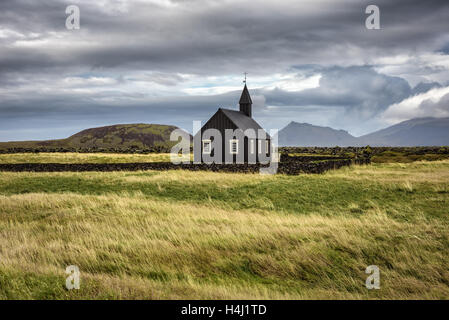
<point>242,121</point>
<point>245,98</point>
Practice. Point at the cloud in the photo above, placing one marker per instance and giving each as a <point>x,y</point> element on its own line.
<point>222,35</point>
<point>348,96</point>
<point>175,61</point>
<point>426,67</point>
<point>433,103</point>
<point>423,87</point>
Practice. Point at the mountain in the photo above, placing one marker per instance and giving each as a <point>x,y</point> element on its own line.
<point>120,136</point>
<point>414,132</point>
<point>307,135</point>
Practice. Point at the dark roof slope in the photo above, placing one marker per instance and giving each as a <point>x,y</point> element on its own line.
<point>245,98</point>
<point>242,121</point>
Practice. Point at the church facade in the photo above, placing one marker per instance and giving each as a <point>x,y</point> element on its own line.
<point>233,136</point>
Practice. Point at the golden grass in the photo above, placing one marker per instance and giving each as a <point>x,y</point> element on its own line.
<point>136,240</point>
<point>419,171</point>
<point>181,176</point>
<point>140,248</point>
<point>72,157</point>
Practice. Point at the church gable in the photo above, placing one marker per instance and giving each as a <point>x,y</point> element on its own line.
<point>219,121</point>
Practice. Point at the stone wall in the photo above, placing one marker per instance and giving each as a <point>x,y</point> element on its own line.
<point>287,167</point>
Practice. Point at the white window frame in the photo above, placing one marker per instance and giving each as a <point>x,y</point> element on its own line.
<point>267,146</point>
<point>251,146</point>
<point>236,141</point>
<point>259,142</point>
<point>210,146</point>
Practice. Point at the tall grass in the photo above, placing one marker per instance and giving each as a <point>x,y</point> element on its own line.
<point>199,235</point>
<point>73,157</point>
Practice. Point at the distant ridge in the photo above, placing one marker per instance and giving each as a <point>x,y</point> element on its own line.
<point>307,135</point>
<point>120,136</point>
<point>415,132</point>
<point>410,133</point>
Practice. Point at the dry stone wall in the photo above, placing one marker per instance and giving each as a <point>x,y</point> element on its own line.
<point>287,167</point>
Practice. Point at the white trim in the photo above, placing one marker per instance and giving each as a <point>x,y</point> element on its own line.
<point>260,146</point>
<point>210,146</point>
<point>251,146</point>
<point>267,146</point>
<point>231,142</point>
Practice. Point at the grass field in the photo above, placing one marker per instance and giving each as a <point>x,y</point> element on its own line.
<point>73,157</point>
<point>181,234</point>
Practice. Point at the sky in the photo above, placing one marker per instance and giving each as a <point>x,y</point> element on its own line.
<point>176,61</point>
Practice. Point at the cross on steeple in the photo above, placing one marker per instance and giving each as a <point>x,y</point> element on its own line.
<point>245,73</point>
<point>245,101</point>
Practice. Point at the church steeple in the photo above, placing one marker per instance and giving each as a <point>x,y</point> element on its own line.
<point>246,102</point>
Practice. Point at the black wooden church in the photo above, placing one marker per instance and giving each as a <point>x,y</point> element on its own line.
<point>239,147</point>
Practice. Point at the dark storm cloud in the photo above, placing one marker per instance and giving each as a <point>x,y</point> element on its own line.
<point>354,88</point>
<point>71,114</point>
<point>355,93</point>
<point>424,87</point>
<point>162,40</point>
<point>206,37</point>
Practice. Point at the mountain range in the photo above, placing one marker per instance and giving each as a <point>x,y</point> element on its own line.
<point>414,132</point>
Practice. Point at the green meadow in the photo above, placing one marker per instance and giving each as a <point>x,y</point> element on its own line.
<point>204,235</point>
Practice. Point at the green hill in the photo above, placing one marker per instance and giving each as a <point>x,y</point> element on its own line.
<point>120,136</point>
